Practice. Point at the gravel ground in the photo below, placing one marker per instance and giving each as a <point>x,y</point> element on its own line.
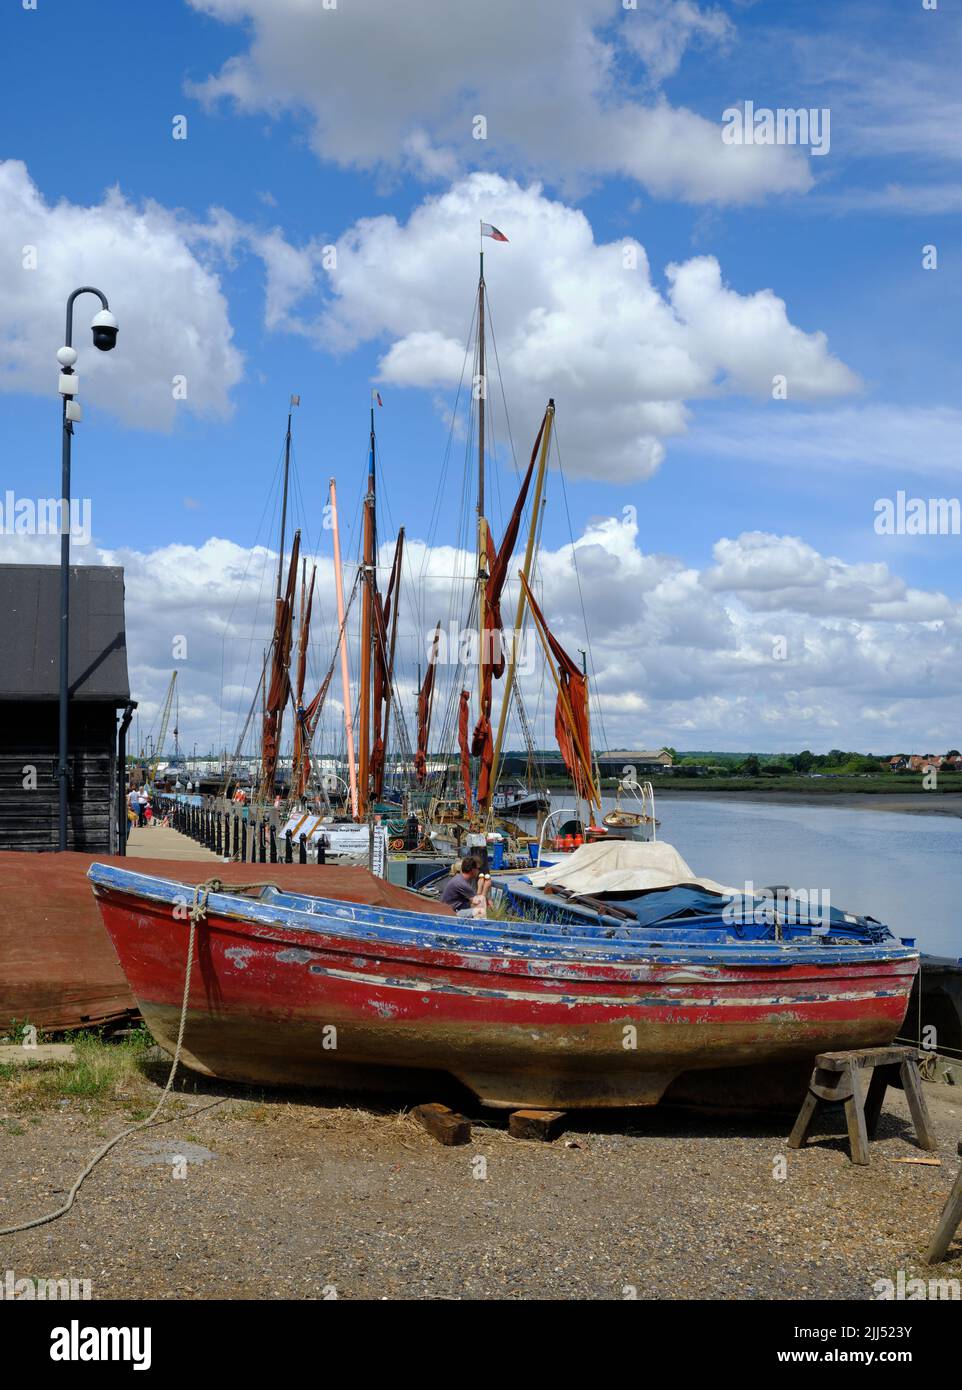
<point>293,1197</point>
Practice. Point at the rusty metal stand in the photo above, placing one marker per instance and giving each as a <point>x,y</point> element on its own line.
<point>835,1081</point>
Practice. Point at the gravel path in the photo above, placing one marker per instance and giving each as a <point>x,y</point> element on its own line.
<point>301,1198</point>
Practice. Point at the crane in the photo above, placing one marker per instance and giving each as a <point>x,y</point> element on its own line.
<point>162,731</point>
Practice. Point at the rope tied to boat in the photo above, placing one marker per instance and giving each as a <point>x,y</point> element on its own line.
<point>197,914</point>
<point>198,908</point>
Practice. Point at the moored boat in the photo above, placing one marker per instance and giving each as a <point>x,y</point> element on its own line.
<point>639,823</point>
<point>289,989</point>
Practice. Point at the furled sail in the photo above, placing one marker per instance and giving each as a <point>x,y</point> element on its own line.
<point>303,728</point>
<point>465,749</point>
<point>383,661</point>
<point>492,643</point>
<point>280,687</point>
<point>571,725</point>
<point>425,702</point>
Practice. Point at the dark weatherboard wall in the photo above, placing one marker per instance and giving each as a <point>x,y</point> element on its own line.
<point>29,688</point>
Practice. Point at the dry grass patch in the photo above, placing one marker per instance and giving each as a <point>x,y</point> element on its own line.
<point>104,1072</point>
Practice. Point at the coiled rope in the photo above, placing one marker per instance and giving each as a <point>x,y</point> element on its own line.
<point>198,911</point>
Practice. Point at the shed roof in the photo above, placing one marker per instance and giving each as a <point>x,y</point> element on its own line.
<point>30,633</point>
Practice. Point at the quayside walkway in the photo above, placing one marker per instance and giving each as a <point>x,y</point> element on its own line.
<point>162,842</point>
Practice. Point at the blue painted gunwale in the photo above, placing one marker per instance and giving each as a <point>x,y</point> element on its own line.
<point>387,926</point>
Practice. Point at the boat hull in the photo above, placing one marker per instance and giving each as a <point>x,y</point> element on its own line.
<point>276,1004</point>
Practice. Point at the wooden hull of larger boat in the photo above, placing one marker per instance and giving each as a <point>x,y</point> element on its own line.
<point>276,1005</point>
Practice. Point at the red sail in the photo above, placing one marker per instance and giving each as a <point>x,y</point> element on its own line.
<point>382,671</point>
<point>301,770</point>
<point>425,700</point>
<point>280,686</point>
<point>492,645</point>
<point>571,730</point>
<point>465,750</point>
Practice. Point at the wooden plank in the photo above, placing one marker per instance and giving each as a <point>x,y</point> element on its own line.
<point>832,1086</point>
<point>912,1086</point>
<point>864,1057</point>
<point>857,1136</point>
<point>855,1120</point>
<point>949,1222</point>
<point>542,1125</point>
<point>805,1116</point>
<point>443,1124</point>
<point>882,1078</point>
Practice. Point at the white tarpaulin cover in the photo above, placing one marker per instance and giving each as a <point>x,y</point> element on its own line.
<point>624,866</point>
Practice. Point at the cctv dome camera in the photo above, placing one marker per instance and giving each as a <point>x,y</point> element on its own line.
<point>104,328</point>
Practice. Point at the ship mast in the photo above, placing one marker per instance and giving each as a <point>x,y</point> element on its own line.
<point>287,472</point>
<point>345,670</point>
<point>481,387</point>
<point>367,625</point>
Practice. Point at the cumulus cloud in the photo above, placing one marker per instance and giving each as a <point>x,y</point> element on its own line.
<point>775,573</point>
<point>772,646</point>
<point>399,86</point>
<point>173,315</point>
<point>580,320</point>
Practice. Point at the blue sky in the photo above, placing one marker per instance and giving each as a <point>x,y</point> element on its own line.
<point>91,91</point>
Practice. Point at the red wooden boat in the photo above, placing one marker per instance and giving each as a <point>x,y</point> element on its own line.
<point>288,989</point>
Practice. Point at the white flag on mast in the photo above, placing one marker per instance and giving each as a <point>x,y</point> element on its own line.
<point>488,230</point>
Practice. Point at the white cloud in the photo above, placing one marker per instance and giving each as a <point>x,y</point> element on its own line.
<point>749,338</point>
<point>773,646</point>
<point>398,87</point>
<point>620,358</point>
<point>776,573</point>
<point>660,31</point>
<point>173,316</point>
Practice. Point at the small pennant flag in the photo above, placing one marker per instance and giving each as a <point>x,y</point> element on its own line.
<point>295,400</point>
<point>377,397</point>
<point>488,230</point>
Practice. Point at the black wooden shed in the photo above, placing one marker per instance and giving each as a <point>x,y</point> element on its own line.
<point>29,695</point>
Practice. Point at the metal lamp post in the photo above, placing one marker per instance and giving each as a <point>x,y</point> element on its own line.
<point>104,328</point>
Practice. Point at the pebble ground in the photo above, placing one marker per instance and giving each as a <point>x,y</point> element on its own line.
<point>292,1196</point>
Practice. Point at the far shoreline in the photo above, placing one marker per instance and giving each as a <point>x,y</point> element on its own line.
<point>903,803</point>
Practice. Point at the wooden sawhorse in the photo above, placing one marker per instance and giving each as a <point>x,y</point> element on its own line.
<point>835,1080</point>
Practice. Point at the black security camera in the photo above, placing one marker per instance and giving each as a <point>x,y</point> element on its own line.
<point>104,328</point>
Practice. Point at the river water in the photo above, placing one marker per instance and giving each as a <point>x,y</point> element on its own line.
<point>901,869</point>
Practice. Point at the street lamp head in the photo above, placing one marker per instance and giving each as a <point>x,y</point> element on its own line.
<point>104,329</point>
<point>67,356</point>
